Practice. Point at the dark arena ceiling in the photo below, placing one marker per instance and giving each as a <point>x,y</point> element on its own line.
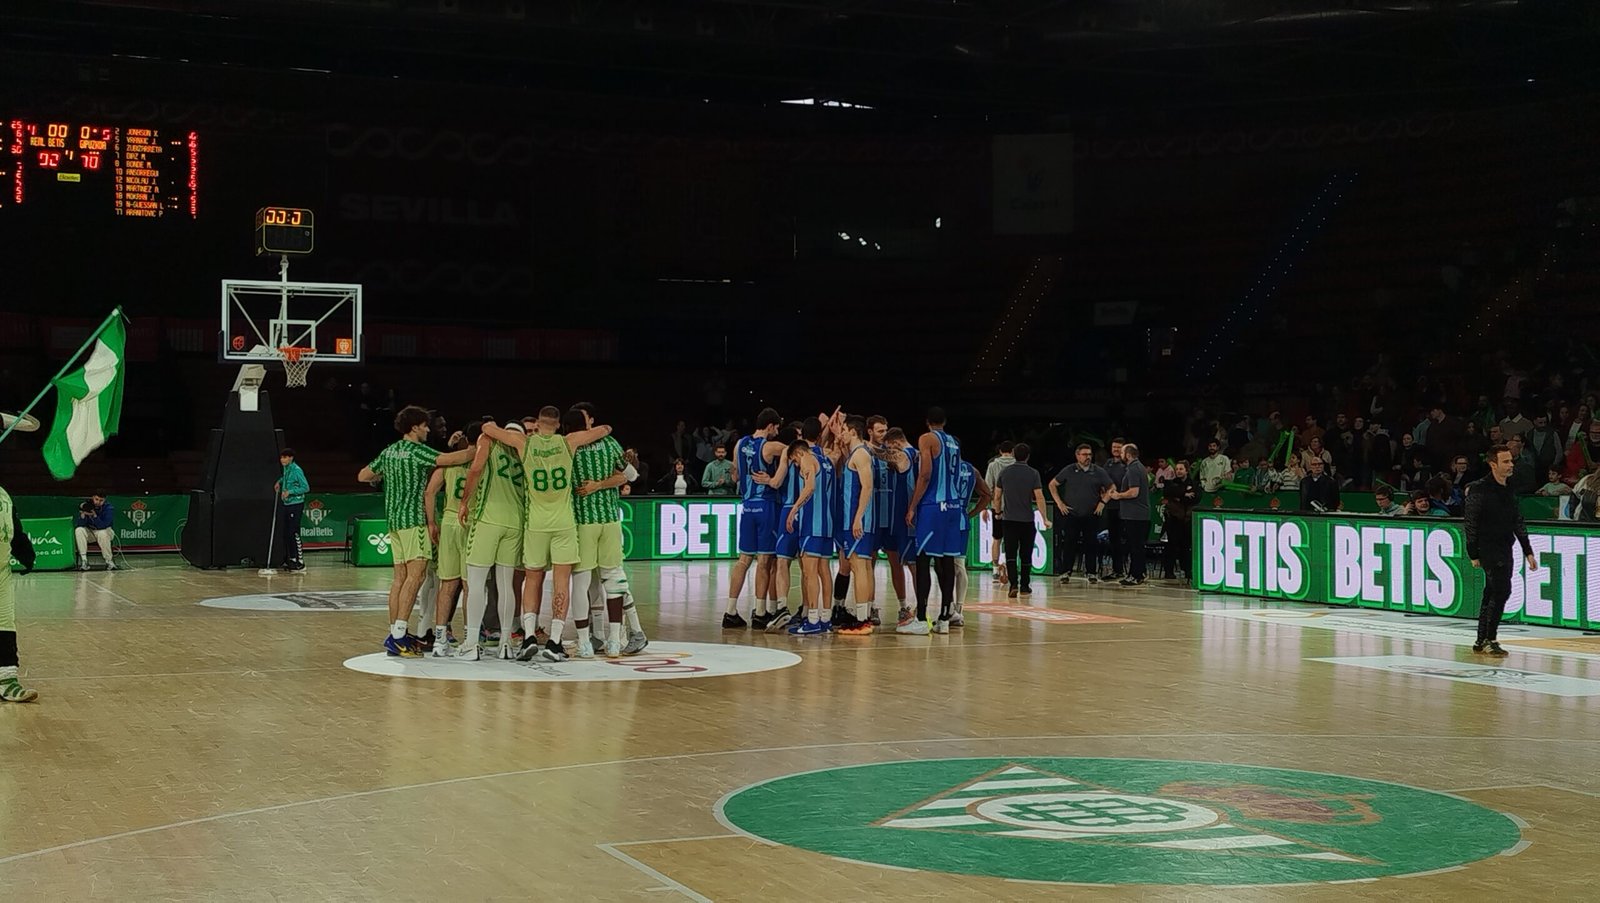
<point>1015,62</point>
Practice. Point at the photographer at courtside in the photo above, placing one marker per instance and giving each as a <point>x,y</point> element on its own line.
<point>94,521</point>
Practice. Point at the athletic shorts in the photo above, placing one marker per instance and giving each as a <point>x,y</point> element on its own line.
<point>865,547</point>
<point>492,544</point>
<point>817,546</point>
<point>938,531</point>
<point>786,544</point>
<point>452,551</point>
<point>543,548</point>
<point>410,544</point>
<point>758,528</point>
<point>599,546</point>
<point>8,601</point>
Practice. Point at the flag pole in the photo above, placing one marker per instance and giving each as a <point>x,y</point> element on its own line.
<point>116,312</point>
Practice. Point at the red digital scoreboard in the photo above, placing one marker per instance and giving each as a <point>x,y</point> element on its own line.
<point>137,172</point>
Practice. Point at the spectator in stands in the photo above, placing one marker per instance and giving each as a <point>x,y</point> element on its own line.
<point>1344,447</point>
<point>95,520</point>
<point>680,442</point>
<point>1579,427</point>
<point>1378,447</point>
<point>1239,434</point>
<point>1554,486</point>
<point>1585,451</point>
<point>1514,424</point>
<point>678,481</point>
<point>1586,496</point>
<point>1473,444</point>
<point>718,476</point>
<point>1416,473</point>
<point>1318,491</point>
<point>1178,498</point>
<point>1446,436</point>
<point>1438,497</point>
<point>1164,472</point>
<point>1315,451</point>
<point>1214,469</point>
<point>1311,430</point>
<point>1267,479</point>
<point>1406,449</point>
<point>1544,441</point>
<point>1291,475</point>
<point>1419,433</point>
<point>1386,504</point>
<point>1270,430</point>
<point>1459,476</point>
<point>1421,505</point>
<point>1483,415</point>
<point>641,483</point>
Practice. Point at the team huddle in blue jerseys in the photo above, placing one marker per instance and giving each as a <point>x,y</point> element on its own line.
<point>854,486</point>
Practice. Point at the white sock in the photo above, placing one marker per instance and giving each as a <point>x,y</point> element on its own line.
<point>9,672</point>
<point>583,638</point>
<point>863,610</point>
<point>398,630</point>
<point>427,611</point>
<point>530,623</point>
<point>614,634</point>
<point>507,599</point>
<point>629,615</point>
<point>555,631</point>
<point>814,615</point>
<point>477,603</point>
<point>733,605</point>
<point>439,635</point>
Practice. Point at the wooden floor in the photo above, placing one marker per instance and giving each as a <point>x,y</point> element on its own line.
<point>181,752</point>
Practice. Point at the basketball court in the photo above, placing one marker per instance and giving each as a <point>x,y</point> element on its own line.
<point>222,735</point>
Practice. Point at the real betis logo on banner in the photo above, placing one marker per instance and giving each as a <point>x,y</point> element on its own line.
<point>1119,821</point>
<point>1265,557</point>
<point>138,512</point>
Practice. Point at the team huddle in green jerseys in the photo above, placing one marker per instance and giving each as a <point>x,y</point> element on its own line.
<point>506,508</point>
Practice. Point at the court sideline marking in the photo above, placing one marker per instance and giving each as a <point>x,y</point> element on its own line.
<point>425,785</point>
<point>670,884</point>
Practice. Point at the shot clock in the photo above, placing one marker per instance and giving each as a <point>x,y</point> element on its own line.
<point>285,230</point>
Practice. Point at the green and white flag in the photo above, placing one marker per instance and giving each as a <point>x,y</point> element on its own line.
<point>88,402</point>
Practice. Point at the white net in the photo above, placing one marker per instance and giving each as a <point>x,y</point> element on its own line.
<point>297,366</point>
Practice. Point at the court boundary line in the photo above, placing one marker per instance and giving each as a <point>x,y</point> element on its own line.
<point>670,883</point>
<point>716,812</point>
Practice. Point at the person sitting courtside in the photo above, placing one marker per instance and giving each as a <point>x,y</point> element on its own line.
<point>96,516</point>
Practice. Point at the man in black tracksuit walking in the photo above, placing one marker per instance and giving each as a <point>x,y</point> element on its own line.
<point>1493,522</point>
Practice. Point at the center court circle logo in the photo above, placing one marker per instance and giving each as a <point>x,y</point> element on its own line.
<point>1119,821</point>
<point>326,600</point>
<point>662,661</point>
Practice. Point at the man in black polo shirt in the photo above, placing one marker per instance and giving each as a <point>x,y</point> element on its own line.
<point>1115,467</point>
<point>1086,484</point>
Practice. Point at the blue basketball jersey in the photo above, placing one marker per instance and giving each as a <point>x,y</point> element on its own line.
<point>850,494</point>
<point>748,456</point>
<point>904,484</point>
<point>942,489</point>
<point>816,515</point>
<point>882,493</point>
<point>966,485</point>
<point>791,484</point>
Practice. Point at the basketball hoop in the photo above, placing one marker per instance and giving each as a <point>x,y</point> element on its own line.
<point>297,363</point>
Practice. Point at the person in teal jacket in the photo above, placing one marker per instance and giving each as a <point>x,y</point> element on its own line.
<point>292,489</point>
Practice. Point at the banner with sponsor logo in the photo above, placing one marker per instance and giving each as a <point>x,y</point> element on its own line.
<point>692,529</point>
<point>53,547</point>
<point>1400,564</point>
<point>154,523</point>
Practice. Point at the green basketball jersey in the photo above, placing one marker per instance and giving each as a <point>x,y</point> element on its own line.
<point>547,466</point>
<point>455,490</point>
<point>499,499</point>
<point>594,462</point>
<point>405,467</point>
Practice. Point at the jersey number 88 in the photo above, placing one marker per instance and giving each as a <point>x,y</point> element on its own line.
<point>546,480</point>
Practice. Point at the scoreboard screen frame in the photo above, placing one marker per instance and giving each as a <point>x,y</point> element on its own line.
<point>285,230</point>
